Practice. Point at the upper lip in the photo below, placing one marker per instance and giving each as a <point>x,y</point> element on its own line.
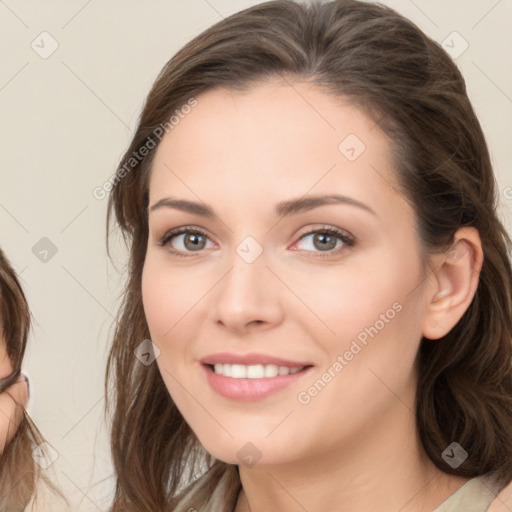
<point>251,359</point>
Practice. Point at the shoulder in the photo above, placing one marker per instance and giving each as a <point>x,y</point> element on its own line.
<point>503,501</point>
<point>480,494</point>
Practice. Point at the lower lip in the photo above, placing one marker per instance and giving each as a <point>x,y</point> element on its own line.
<point>251,389</point>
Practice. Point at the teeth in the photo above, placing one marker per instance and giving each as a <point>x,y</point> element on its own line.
<point>255,371</point>
<point>271,370</point>
<point>238,371</point>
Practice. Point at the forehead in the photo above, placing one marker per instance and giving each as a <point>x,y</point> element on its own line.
<point>274,136</point>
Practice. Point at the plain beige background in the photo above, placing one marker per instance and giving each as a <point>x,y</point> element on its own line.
<point>66,119</point>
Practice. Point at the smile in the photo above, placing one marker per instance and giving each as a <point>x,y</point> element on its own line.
<point>251,377</point>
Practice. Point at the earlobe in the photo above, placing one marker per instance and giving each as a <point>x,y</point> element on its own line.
<point>453,284</point>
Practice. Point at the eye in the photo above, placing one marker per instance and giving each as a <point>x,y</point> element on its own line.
<point>324,240</point>
<point>193,240</point>
<point>327,240</point>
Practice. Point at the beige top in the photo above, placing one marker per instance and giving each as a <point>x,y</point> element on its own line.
<point>476,495</point>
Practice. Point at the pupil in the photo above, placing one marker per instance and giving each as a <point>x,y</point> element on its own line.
<point>323,236</point>
<point>193,238</point>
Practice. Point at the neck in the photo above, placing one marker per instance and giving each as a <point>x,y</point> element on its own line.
<point>383,469</point>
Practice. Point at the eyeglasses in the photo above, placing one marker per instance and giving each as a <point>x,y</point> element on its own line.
<point>7,382</point>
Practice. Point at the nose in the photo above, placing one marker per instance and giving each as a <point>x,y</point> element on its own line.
<point>248,297</point>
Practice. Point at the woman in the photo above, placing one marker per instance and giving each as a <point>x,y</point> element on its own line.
<point>20,439</point>
<point>13,385</point>
<point>260,374</point>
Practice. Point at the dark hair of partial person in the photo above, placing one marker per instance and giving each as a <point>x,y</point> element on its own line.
<point>21,478</point>
<point>374,58</point>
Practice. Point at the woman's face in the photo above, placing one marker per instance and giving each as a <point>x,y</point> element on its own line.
<point>258,285</point>
<point>12,400</point>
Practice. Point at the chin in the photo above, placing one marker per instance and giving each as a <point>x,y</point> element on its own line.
<point>245,452</point>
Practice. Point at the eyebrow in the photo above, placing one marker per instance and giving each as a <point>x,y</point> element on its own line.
<point>282,209</point>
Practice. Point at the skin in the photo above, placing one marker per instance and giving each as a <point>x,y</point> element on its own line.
<point>12,401</point>
<point>356,441</point>
<point>503,501</point>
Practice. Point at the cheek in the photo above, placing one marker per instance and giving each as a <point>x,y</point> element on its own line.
<point>341,302</point>
<point>175,304</point>
<point>165,309</point>
<point>372,311</point>
<point>168,297</point>
<point>6,367</point>
<point>157,300</point>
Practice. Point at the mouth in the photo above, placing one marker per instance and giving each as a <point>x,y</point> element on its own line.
<point>251,377</point>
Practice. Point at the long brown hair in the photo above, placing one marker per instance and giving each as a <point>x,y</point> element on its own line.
<point>384,64</point>
<point>19,473</point>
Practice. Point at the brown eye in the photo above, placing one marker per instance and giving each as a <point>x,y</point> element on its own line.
<point>327,240</point>
<point>193,241</point>
<point>183,241</point>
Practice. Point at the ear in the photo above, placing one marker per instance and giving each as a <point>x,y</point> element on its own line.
<point>453,283</point>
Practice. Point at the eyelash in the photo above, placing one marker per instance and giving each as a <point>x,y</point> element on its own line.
<point>347,240</point>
